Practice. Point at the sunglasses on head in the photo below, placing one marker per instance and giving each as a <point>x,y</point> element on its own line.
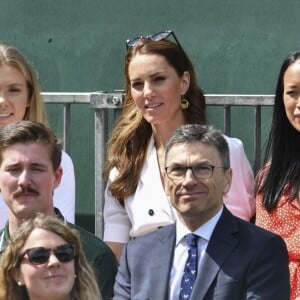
<point>40,255</point>
<point>154,37</point>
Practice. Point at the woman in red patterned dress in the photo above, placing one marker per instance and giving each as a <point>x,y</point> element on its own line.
<point>278,182</point>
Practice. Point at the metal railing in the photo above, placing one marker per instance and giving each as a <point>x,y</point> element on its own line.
<point>102,102</point>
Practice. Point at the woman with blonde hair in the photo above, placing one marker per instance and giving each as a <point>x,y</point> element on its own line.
<point>45,260</point>
<point>20,99</point>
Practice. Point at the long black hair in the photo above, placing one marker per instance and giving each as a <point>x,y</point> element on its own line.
<point>283,149</point>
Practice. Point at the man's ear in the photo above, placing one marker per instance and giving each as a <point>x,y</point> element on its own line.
<point>166,184</point>
<point>17,276</point>
<point>58,176</point>
<point>227,181</point>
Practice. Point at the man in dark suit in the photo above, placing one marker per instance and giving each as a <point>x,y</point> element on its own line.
<point>228,258</point>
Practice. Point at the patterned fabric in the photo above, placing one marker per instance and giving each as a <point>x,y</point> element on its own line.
<point>190,269</point>
<point>284,220</point>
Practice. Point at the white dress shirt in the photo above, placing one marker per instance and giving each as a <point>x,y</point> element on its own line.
<point>181,251</point>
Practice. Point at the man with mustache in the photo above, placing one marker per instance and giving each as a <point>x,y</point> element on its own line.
<point>208,253</point>
<point>30,170</point>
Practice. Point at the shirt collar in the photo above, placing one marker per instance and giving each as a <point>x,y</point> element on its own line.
<point>204,231</point>
<point>4,236</point>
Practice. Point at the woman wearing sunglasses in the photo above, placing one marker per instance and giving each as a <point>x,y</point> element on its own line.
<point>161,95</point>
<point>45,260</point>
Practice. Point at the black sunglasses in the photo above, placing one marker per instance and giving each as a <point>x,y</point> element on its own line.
<point>154,37</point>
<point>40,255</point>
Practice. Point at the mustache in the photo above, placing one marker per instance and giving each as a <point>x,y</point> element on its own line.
<point>23,191</point>
<point>183,191</point>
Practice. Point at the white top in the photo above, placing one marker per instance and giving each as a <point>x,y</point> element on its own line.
<point>181,250</point>
<point>149,207</point>
<point>64,194</point>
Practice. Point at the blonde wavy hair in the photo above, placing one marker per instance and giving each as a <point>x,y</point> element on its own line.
<point>11,56</point>
<point>85,286</point>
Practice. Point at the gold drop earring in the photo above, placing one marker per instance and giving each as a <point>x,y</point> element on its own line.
<point>184,103</point>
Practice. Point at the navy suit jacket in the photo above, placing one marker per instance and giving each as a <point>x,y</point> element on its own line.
<point>242,261</point>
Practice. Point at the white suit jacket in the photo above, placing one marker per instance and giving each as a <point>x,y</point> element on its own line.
<point>149,208</point>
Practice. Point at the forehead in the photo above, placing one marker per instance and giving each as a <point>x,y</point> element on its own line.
<point>10,74</point>
<point>292,72</point>
<point>193,152</point>
<point>150,63</point>
<point>43,238</point>
<point>26,152</point>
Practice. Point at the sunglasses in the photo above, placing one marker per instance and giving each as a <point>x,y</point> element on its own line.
<point>40,255</point>
<point>154,37</point>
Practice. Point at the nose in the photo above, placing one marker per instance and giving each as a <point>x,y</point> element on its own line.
<point>53,260</point>
<point>24,178</point>
<point>2,99</point>
<point>148,90</point>
<point>189,177</point>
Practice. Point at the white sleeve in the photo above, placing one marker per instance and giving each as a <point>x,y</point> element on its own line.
<point>240,199</point>
<point>3,212</point>
<point>116,221</point>
<point>64,194</point>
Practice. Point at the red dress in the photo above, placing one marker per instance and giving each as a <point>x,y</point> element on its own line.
<point>285,221</point>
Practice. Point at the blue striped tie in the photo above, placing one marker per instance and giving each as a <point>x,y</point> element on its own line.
<point>190,268</point>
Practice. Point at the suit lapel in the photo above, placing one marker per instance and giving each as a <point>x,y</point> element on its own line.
<point>221,244</point>
<point>161,263</point>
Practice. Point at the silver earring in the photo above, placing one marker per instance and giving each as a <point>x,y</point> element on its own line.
<point>184,103</point>
<point>19,283</point>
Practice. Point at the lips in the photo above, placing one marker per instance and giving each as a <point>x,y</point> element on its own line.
<point>55,277</point>
<point>5,115</point>
<point>26,195</point>
<point>189,193</point>
<point>152,106</point>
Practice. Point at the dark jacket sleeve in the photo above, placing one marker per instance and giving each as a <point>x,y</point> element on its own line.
<point>268,275</point>
<point>102,260</point>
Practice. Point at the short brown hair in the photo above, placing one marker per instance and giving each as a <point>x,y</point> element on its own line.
<point>31,132</point>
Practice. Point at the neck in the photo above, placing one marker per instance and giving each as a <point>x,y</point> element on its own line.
<point>13,225</point>
<point>38,296</point>
<point>14,221</point>
<point>194,221</point>
<point>162,133</point>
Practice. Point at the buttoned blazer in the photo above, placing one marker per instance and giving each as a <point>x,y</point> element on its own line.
<point>242,261</point>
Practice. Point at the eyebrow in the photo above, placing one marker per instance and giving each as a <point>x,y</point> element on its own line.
<point>196,163</point>
<point>31,165</point>
<point>293,86</point>
<point>17,84</point>
<point>151,76</point>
